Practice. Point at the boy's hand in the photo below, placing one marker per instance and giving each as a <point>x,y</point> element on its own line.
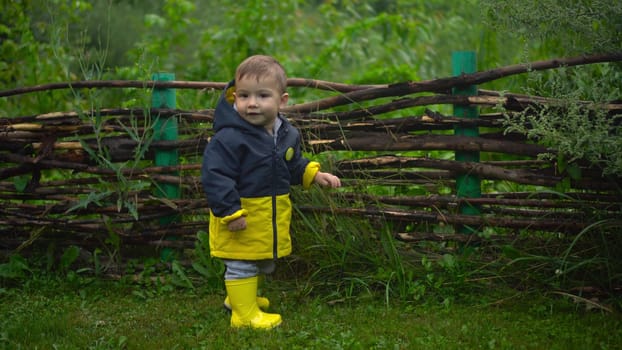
<point>237,224</point>
<point>326,179</point>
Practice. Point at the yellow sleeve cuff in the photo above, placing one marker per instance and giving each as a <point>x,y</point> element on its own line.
<point>227,219</point>
<point>310,171</point>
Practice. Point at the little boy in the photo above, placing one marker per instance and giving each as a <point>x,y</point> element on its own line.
<point>248,168</point>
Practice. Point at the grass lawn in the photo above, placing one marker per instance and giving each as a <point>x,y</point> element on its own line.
<point>113,315</point>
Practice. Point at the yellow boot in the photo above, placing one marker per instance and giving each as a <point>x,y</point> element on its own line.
<point>262,303</point>
<point>244,309</point>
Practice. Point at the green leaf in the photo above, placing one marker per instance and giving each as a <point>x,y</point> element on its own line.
<point>574,171</point>
<point>69,256</point>
<point>561,163</point>
<point>448,261</point>
<point>179,276</point>
<point>202,270</point>
<point>510,252</point>
<point>93,197</point>
<point>15,268</point>
<point>564,185</point>
<point>20,182</point>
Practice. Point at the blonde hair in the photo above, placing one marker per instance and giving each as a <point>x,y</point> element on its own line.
<point>259,66</point>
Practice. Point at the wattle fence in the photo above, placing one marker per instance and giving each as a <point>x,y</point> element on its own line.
<point>131,176</point>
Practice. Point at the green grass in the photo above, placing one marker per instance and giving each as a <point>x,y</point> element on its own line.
<point>114,315</point>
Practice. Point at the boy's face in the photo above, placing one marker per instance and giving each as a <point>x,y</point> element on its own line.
<point>258,100</point>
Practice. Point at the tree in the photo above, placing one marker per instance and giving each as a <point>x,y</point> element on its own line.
<point>587,26</point>
<point>565,28</point>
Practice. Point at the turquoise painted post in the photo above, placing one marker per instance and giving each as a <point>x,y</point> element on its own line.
<point>165,129</point>
<point>467,185</point>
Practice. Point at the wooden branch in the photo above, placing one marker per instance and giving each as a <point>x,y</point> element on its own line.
<point>443,85</point>
<point>383,142</point>
<point>414,237</point>
<point>554,225</point>
<point>73,118</point>
<point>91,84</point>
<point>326,129</point>
<point>519,101</point>
<point>330,86</point>
<point>369,113</point>
<point>196,85</point>
<point>483,170</point>
<point>404,103</point>
<point>578,196</point>
<point>507,102</point>
<point>148,206</point>
<point>586,214</point>
<point>495,199</point>
<point>119,149</point>
<point>397,177</point>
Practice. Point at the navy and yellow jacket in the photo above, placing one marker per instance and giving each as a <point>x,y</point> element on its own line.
<point>246,172</point>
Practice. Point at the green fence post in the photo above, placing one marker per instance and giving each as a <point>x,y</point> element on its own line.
<point>467,185</point>
<point>165,129</point>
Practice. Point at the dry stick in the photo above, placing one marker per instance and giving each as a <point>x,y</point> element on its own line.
<point>95,242</point>
<point>484,170</point>
<point>150,208</point>
<point>508,102</point>
<point>21,223</point>
<point>48,163</point>
<point>330,86</point>
<point>71,118</point>
<point>444,84</point>
<point>90,227</point>
<point>373,142</point>
<point>113,84</point>
<point>413,237</point>
<point>197,85</point>
<point>555,225</point>
<point>602,202</point>
<point>577,196</point>
<point>559,214</point>
<point>395,125</point>
<point>390,161</point>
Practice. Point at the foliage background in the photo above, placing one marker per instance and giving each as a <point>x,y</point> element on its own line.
<point>348,41</point>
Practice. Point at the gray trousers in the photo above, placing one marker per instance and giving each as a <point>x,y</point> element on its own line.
<point>238,269</point>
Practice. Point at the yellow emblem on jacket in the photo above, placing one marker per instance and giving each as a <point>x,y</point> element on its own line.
<point>289,154</point>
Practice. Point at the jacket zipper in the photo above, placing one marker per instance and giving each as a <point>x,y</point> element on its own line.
<point>274,211</point>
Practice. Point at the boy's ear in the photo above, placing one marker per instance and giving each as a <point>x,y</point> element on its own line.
<point>284,99</point>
